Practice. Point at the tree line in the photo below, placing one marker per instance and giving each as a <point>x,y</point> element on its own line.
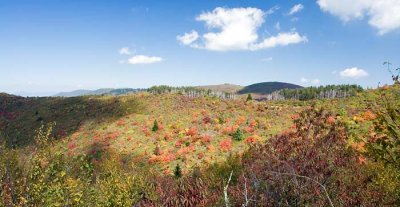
<point>190,91</point>
<point>320,92</point>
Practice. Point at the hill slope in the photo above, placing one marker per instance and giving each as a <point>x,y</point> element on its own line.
<point>226,87</point>
<point>267,87</point>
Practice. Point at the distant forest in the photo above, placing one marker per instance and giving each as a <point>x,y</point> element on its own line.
<point>303,94</point>
<point>321,92</point>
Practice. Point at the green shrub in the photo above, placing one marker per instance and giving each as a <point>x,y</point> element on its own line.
<point>238,135</point>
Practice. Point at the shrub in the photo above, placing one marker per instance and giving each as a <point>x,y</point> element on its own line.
<point>238,135</point>
<point>307,166</point>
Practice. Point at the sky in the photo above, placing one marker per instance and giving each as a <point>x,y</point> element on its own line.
<point>49,46</point>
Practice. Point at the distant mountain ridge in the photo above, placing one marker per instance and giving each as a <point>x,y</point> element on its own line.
<point>265,88</point>
<point>257,88</point>
<point>103,91</point>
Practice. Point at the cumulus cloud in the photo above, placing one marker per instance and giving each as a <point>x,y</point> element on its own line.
<point>142,59</point>
<point>124,51</point>
<point>282,39</point>
<point>383,15</point>
<point>237,29</point>
<point>353,73</point>
<point>188,38</point>
<point>296,8</point>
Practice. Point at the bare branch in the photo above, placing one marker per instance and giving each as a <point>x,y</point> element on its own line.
<point>226,198</point>
<point>245,192</point>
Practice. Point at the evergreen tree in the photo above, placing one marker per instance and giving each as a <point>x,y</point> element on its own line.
<point>155,126</point>
<point>249,97</point>
<point>178,171</point>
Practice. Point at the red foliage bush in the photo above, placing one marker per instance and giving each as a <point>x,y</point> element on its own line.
<point>71,145</point>
<point>178,143</point>
<point>207,120</point>
<point>288,167</point>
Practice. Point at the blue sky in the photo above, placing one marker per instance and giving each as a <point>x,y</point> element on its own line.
<point>63,45</point>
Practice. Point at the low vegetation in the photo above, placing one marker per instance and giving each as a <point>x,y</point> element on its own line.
<point>173,150</point>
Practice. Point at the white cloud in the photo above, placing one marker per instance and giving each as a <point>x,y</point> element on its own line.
<point>267,59</point>
<point>236,29</point>
<point>315,81</point>
<point>312,81</point>
<point>272,10</point>
<point>282,39</point>
<point>353,73</point>
<point>142,59</point>
<point>296,8</point>
<point>124,51</point>
<point>278,26</point>
<point>188,38</point>
<point>304,80</point>
<point>383,15</point>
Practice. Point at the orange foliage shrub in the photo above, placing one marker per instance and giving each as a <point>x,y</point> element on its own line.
<point>330,120</point>
<point>229,129</point>
<point>226,144</point>
<point>248,129</point>
<point>201,155</point>
<point>369,115</point>
<point>146,131</point>
<point>206,139</point>
<point>192,131</point>
<point>227,120</point>
<point>121,122</point>
<point>168,136</point>
<point>183,151</point>
<point>252,139</point>
<point>240,120</point>
<point>253,123</point>
<point>358,146</point>
<point>210,148</point>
